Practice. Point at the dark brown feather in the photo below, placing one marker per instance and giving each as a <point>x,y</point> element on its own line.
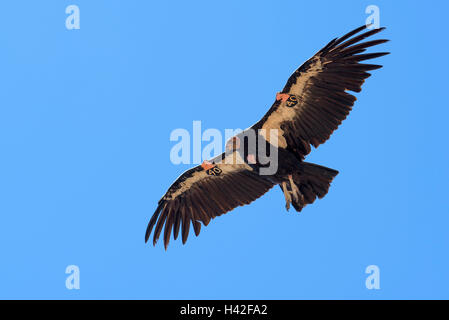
<point>168,227</point>
<point>321,86</point>
<point>160,224</point>
<point>153,220</point>
<point>177,219</point>
<point>185,224</point>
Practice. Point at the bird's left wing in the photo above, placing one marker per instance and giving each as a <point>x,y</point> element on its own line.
<point>203,193</point>
<point>315,100</point>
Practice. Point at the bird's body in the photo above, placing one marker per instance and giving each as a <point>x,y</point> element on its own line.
<point>311,106</point>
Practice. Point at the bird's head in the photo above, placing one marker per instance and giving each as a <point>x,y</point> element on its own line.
<point>233,144</point>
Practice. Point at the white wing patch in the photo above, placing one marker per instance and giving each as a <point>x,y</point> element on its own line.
<point>284,113</point>
<point>237,165</point>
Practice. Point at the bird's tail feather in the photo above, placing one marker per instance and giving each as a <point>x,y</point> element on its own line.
<point>313,181</point>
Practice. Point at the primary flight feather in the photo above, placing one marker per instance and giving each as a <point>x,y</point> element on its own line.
<point>311,106</point>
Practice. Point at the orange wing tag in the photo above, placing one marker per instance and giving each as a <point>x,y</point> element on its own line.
<point>282,96</point>
<point>211,169</point>
<point>206,165</point>
<point>291,99</point>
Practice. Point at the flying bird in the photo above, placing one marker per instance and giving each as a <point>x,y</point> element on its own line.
<point>313,103</point>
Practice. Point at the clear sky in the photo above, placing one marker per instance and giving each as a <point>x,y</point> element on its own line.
<point>85,121</point>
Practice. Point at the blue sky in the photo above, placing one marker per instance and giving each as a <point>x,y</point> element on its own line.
<point>85,121</point>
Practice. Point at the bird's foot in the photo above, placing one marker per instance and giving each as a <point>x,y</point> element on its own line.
<point>297,195</point>
<point>287,195</point>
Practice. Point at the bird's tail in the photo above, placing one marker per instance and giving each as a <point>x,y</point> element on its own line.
<point>312,181</point>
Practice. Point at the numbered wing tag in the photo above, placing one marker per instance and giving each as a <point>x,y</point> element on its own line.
<point>292,101</point>
<point>215,171</point>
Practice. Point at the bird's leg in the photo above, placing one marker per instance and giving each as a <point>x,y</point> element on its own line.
<point>288,198</point>
<point>295,190</point>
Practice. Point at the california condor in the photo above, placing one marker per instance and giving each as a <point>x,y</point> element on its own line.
<point>311,106</point>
